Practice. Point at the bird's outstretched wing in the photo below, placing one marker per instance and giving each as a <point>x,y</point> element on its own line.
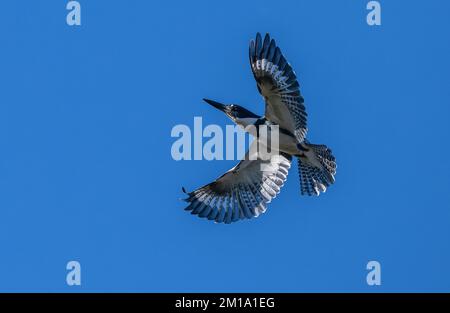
<point>242,192</point>
<point>277,83</point>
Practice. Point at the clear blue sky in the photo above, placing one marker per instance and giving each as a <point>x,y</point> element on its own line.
<point>86,172</point>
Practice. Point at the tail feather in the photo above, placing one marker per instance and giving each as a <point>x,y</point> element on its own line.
<point>317,168</point>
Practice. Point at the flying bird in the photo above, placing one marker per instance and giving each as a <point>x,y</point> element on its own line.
<point>245,190</point>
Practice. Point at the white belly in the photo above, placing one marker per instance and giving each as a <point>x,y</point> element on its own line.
<point>282,142</point>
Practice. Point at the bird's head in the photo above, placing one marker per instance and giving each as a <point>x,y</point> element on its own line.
<point>236,113</point>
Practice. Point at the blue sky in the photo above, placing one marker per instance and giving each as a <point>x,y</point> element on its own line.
<point>86,172</point>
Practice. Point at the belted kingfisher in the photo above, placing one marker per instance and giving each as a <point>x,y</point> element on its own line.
<point>245,190</point>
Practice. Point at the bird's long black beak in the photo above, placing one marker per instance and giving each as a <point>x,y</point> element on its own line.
<point>217,105</point>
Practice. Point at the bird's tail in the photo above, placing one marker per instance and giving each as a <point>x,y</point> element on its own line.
<point>317,167</point>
